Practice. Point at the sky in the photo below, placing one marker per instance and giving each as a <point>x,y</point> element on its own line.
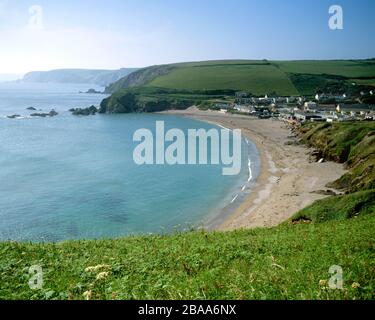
<point>111,34</point>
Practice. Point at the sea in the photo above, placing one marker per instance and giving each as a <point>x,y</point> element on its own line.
<point>73,177</point>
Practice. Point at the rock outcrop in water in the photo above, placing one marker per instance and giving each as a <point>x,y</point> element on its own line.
<point>93,91</point>
<point>52,113</point>
<point>84,111</point>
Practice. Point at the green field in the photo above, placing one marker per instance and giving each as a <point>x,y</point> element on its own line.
<point>259,77</point>
<point>345,68</point>
<point>249,77</point>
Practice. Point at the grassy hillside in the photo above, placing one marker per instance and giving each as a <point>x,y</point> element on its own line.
<point>339,207</point>
<point>354,145</point>
<point>310,76</point>
<point>291,261</point>
<point>259,78</point>
<point>349,143</point>
<point>347,68</point>
<point>283,78</point>
<point>152,99</point>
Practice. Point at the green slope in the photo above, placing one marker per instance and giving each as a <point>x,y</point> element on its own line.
<point>255,78</point>
<point>258,77</point>
<point>351,143</point>
<point>346,68</point>
<point>291,261</point>
<point>151,89</point>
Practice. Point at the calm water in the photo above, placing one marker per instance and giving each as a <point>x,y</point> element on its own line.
<point>74,177</point>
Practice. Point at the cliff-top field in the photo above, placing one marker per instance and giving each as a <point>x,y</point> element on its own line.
<point>257,77</point>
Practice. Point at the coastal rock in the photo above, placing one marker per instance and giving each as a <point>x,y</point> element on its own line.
<point>134,101</point>
<point>42,115</point>
<point>52,113</point>
<point>84,111</point>
<point>14,116</point>
<point>93,91</point>
<point>31,108</point>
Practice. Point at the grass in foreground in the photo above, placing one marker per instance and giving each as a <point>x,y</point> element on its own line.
<point>287,262</point>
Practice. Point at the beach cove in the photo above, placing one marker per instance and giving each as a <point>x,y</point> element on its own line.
<point>288,179</point>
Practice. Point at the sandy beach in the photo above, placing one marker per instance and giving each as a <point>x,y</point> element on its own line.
<point>288,180</point>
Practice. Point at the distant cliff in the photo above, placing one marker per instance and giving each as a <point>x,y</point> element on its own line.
<point>98,77</point>
<point>139,78</point>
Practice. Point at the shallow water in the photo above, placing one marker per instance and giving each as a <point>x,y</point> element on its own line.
<point>71,177</point>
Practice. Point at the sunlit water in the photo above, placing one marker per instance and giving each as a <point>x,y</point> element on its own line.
<point>71,177</point>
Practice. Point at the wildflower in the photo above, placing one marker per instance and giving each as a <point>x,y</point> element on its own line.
<point>102,275</point>
<point>98,267</point>
<point>89,269</point>
<point>323,283</point>
<point>356,285</point>
<point>87,295</point>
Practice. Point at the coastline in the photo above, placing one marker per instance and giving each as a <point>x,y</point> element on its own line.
<point>287,180</point>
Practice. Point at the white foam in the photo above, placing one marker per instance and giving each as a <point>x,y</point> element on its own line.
<point>225,128</point>
<point>235,198</point>
<point>250,171</point>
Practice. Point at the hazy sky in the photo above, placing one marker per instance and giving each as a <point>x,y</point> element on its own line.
<point>133,33</point>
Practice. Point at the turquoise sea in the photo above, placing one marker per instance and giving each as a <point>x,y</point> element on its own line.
<point>71,177</point>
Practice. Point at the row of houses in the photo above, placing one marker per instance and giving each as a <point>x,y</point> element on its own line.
<point>298,108</point>
<point>329,116</point>
<point>243,98</point>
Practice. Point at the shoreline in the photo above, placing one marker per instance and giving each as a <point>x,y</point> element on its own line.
<point>287,179</point>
